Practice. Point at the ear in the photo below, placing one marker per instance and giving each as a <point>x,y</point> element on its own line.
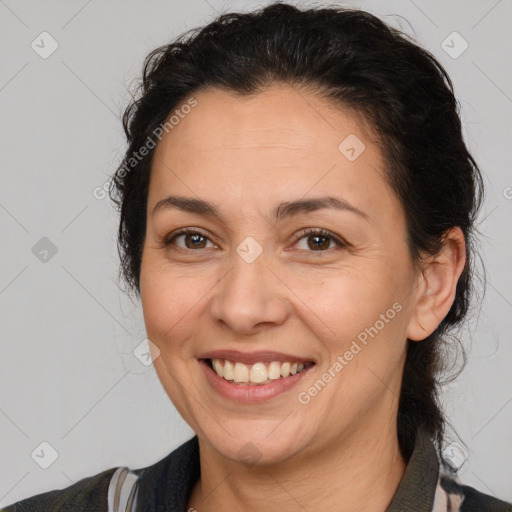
<point>436,286</point>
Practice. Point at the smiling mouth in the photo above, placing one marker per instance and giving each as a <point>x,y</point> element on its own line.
<point>257,374</point>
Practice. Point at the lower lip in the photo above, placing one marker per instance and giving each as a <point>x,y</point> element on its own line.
<point>251,393</point>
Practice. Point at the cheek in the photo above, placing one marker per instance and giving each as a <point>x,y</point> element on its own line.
<point>349,298</point>
<point>365,340</point>
<point>170,303</point>
<point>362,313</point>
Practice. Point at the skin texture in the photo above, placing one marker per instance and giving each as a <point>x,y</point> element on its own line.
<point>246,155</point>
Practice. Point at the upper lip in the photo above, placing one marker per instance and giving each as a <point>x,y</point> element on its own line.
<point>252,357</point>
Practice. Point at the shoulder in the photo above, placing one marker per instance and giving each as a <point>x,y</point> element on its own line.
<point>87,494</point>
<point>119,488</point>
<point>166,484</point>
<point>469,499</point>
<point>476,501</point>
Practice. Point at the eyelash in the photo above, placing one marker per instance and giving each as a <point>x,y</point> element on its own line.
<point>303,234</point>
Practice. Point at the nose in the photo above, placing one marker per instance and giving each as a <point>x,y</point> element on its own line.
<point>249,298</point>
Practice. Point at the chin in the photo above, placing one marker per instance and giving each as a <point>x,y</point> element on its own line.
<point>252,446</point>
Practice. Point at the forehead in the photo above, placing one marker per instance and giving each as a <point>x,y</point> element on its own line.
<point>282,143</point>
<point>281,116</point>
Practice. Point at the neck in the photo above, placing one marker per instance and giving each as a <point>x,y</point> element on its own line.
<point>361,471</point>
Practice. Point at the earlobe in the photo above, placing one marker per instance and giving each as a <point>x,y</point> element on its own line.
<point>437,286</point>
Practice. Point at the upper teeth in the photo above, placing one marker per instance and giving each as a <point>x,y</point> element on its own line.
<point>256,373</point>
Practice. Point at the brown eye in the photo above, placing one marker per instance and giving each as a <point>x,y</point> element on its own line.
<point>192,239</point>
<point>319,240</point>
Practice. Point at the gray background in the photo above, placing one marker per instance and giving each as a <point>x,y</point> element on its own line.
<point>68,374</point>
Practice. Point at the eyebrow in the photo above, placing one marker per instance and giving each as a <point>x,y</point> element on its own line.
<point>283,210</point>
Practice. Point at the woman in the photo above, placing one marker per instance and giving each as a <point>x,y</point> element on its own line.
<point>297,207</point>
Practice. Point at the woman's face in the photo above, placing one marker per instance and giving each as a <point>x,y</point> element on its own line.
<point>252,286</point>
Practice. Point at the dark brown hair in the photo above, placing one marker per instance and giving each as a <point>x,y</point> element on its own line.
<point>358,61</point>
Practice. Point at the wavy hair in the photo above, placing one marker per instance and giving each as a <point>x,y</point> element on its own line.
<point>359,62</point>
